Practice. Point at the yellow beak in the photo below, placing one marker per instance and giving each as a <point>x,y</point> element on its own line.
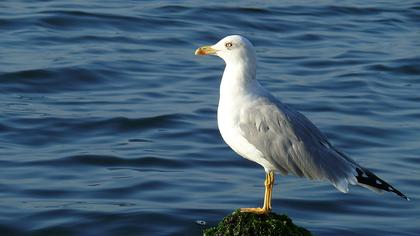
<point>205,50</point>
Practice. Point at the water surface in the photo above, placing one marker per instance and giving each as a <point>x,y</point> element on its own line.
<point>108,120</point>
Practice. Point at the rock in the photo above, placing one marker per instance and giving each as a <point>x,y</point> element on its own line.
<point>244,223</point>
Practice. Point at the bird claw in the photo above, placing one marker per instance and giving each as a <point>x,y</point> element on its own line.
<point>257,210</point>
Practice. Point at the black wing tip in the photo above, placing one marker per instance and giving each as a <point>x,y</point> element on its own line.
<point>399,193</point>
<point>368,178</point>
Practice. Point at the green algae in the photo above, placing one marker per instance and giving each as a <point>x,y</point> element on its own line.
<point>249,224</point>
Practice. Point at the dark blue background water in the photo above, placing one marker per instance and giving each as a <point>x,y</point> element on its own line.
<point>108,120</point>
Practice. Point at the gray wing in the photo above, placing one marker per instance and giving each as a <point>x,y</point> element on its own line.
<point>291,143</point>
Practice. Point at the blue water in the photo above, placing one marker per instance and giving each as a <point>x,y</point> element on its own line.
<point>108,120</point>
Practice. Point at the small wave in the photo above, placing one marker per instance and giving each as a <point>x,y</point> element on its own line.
<point>112,161</point>
<point>315,64</point>
<point>399,69</point>
<point>43,131</point>
<point>63,19</point>
<point>52,80</point>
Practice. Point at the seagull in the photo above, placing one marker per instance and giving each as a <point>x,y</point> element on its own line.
<point>262,129</point>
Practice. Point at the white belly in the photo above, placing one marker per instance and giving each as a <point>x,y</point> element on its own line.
<point>228,122</point>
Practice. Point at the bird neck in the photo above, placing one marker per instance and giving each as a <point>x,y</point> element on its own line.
<point>238,76</point>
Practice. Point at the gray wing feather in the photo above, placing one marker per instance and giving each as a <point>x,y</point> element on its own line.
<point>291,143</point>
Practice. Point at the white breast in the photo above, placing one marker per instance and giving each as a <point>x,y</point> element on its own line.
<point>228,119</point>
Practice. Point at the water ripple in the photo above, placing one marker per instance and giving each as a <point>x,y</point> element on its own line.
<point>108,121</point>
<point>112,161</point>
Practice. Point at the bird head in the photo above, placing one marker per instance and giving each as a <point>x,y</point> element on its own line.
<point>233,48</point>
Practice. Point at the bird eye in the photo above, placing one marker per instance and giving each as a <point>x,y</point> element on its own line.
<point>228,45</point>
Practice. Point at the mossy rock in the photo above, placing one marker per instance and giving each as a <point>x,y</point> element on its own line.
<point>244,223</point>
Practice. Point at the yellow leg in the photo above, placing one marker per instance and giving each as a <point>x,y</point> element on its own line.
<point>269,187</point>
<point>269,182</point>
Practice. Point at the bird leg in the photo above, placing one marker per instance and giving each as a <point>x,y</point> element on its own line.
<point>269,186</point>
<point>269,182</point>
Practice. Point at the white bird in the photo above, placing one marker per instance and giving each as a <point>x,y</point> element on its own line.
<point>262,129</point>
